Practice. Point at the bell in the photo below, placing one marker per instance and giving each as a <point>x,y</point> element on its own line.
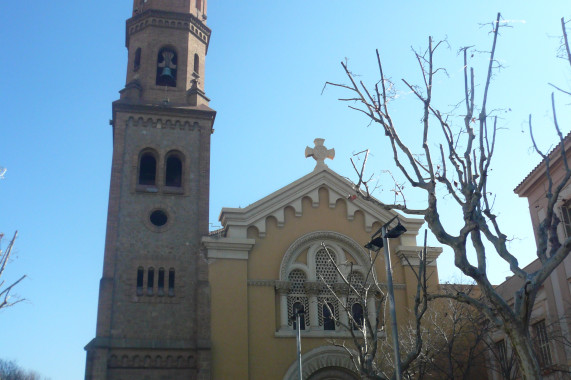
<point>167,72</point>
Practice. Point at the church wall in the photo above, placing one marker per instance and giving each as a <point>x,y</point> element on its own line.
<point>229,305</point>
<point>270,356</point>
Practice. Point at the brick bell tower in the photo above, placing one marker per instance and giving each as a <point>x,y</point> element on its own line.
<point>153,313</point>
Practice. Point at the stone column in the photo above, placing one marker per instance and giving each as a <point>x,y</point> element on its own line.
<point>312,290</point>
<point>282,288</point>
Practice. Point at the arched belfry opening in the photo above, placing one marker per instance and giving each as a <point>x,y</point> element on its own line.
<point>167,64</point>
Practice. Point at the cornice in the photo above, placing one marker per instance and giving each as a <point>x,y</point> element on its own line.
<point>228,248</point>
<point>309,186</point>
<point>410,253</point>
<point>165,19</point>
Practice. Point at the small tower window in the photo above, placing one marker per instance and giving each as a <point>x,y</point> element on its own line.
<point>161,287</point>
<point>166,68</point>
<point>298,308</point>
<point>147,169</point>
<point>137,60</point>
<point>173,172</point>
<point>140,274</point>
<point>171,282</point>
<point>150,281</point>
<point>198,4</point>
<point>328,313</point>
<point>357,314</point>
<point>196,64</point>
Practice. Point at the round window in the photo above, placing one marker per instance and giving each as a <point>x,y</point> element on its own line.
<point>159,218</point>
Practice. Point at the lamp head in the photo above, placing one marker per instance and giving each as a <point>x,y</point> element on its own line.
<point>375,244</point>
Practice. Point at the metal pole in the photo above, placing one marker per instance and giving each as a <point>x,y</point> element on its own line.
<point>298,325</point>
<point>392,309</point>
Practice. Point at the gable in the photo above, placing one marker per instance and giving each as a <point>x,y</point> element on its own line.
<point>236,221</point>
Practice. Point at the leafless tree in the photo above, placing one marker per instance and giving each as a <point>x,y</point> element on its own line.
<point>459,169</point>
<point>9,370</point>
<point>368,336</point>
<point>5,289</point>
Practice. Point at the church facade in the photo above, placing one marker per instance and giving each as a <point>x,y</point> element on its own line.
<point>177,301</point>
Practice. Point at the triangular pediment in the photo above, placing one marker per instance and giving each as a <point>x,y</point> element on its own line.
<point>236,221</point>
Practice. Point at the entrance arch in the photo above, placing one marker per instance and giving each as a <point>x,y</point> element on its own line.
<point>333,373</point>
<point>324,363</point>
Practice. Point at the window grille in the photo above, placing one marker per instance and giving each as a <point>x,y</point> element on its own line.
<point>566,218</point>
<point>502,351</point>
<point>325,268</point>
<point>542,343</point>
<point>296,294</point>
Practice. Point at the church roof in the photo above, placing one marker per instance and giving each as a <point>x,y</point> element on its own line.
<point>236,220</point>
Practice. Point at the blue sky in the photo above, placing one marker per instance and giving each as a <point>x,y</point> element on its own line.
<point>64,63</point>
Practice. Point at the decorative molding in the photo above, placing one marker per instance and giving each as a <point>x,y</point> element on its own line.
<point>187,22</point>
<point>155,361</point>
<point>348,244</point>
<point>238,220</point>
<point>271,283</point>
<point>282,287</point>
<point>163,123</point>
<point>411,253</point>
<point>228,248</point>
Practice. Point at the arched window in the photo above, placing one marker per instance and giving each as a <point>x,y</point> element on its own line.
<point>161,284</point>
<point>173,172</point>
<point>298,308</point>
<point>357,314</point>
<point>328,316</point>
<point>150,281</point>
<point>137,60</point>
<point>140,274</point>
<point>297,297</point>
<point>196,64</point>
<point>326,272</point>
<point>171,282</point>
<point>312,275</point>
<point>147,169</point>
<point>198,4</point>
<point>166,67</point>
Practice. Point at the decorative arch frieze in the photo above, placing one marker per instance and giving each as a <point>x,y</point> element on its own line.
<point>163,123</point>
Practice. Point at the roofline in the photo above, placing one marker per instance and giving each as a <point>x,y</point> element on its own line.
<point>539,170</point>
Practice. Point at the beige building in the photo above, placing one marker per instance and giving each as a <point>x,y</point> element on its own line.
<point>271,255</point>
<point>178,302</point>
<point>551,315</point>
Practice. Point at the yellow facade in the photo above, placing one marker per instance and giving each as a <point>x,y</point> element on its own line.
<point>259,247</point>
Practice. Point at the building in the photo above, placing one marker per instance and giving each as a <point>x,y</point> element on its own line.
<point>551,315</point>
<point>178,302</point>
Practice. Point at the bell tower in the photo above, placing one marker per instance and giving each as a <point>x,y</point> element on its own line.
<point>154,297</point>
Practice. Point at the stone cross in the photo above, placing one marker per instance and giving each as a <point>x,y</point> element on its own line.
<point>319,154</point>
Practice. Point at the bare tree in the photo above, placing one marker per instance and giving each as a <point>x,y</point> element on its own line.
<point>368,337</point>
<point>5,289</point>
<point>9,370</point>
<point>455,347</point>
<point>459,169</point>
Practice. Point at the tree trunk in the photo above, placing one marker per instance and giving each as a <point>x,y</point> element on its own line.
<point>525,353</point>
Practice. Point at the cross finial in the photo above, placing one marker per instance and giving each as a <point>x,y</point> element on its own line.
<point>319,154</point>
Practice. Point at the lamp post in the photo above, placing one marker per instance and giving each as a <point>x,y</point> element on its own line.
<point>375,245</point>
<point>298,313</point>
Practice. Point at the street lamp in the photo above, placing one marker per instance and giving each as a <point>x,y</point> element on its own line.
<point>298,313</point>
<point>377,242</point>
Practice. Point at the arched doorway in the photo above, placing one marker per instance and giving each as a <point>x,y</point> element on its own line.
<point>333,373</point>
<point>324,363</point>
